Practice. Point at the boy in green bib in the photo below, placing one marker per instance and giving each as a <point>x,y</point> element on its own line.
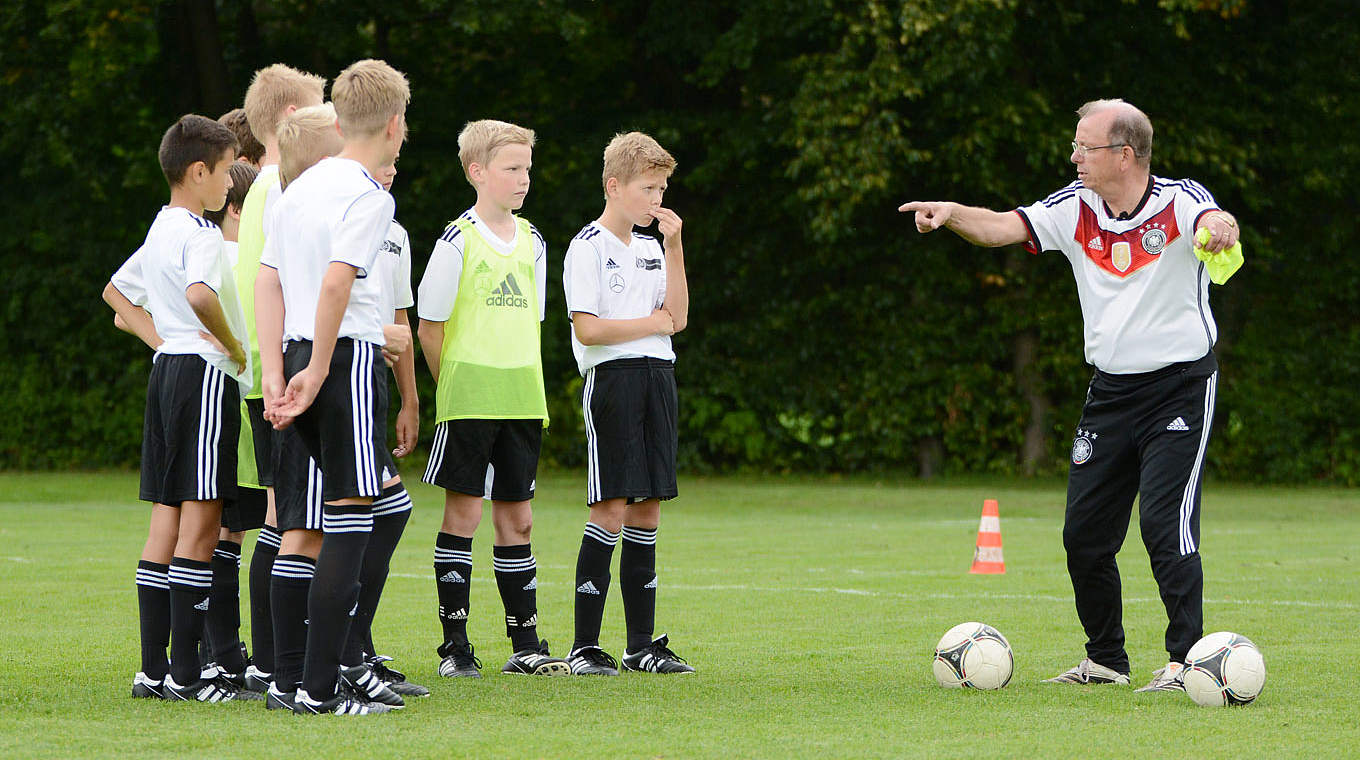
<point>481,303</point>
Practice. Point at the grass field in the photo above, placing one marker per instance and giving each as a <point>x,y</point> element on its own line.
<point>809,606</point>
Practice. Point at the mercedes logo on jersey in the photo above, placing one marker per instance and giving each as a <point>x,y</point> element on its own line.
<point>616,282</point>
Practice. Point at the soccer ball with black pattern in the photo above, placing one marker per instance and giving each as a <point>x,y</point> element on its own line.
<point>974,656</point>
<point>1224,669</point>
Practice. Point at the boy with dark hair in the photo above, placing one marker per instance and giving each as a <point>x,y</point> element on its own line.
<point>181,275</point>
<point>317,292</point>
<point>481,305</point>
<point>250,150</point>
<point>626,297</point>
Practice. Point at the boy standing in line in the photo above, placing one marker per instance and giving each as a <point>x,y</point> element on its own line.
<point>314,290</point>
<point>626,297</point>
<point>274,92</point>
<point>182,276</point>
<point>481,305</point>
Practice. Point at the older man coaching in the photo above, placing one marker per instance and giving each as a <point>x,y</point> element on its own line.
<point>1129,237</point>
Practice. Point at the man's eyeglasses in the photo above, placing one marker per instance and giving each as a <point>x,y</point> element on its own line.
<point>1082,150</point>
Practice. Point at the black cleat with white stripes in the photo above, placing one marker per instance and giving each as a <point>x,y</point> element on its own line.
<point>656,657</point>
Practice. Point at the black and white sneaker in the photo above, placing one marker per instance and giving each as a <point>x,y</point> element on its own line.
<point>1088,672</point>
<point>592,661</point>
<point>536,662</point>
<point>368,686</point>
<point>277,699</point>
<point>1168,678</point>
<point>656,657</point>
<point>342,703</point>
<point>395,679</point>
<point>257,680</point>
<point>211,690</point>
<point>459,661</point>
<point>145,688</point>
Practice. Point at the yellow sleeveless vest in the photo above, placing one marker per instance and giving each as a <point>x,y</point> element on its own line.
<point>491,366</point>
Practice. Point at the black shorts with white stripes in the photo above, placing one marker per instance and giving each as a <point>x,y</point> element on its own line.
<point>345,428</point>
<point>299,482</point>
<point>463,450</point>
<point>631,410</point>
<point>189,432</point>
<point>247,511</point>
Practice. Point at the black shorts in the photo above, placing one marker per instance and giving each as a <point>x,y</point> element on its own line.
<point>498,458</point>
<point>247,511</point>
<point>262,434</point>
<point>345,428</point>
<point>299,483</point>
<point>630,408</point>
<point>189,434</point>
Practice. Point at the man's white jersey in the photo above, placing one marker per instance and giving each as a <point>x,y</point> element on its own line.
<point>394,259</point>
<point>1144,296</point>
<point>333,212</point>
<point>612,279</point>
<point>439,285</point>
<point>181,249</point>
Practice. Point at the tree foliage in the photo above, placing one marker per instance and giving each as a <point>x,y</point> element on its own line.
<point>825,334</point>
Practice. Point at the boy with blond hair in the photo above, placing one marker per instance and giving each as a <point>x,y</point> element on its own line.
<point>626,295</point>
<point>181,276</point>
<point>274,92</point>
<point>318,291</point>
<point>481,305</point>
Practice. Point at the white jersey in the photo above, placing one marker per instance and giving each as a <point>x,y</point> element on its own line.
<point>394,259</point>
<point>1144,296</point>
<point>182,249</point>
<point>439,285</point>
<point>611,279</point>
<point>333,212</point>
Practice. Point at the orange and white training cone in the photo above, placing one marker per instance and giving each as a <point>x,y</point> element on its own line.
<point>987,558</point>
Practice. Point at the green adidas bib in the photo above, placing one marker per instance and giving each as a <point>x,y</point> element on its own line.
<point>249,246</point>
<point>491,366</point>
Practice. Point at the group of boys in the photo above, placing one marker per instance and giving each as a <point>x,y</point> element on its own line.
<point>273,294</point>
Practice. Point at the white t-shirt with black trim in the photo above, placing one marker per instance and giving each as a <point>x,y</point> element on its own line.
<point>182,249</point>
<point>333,212</point>
<point>394,259</point>
<point>1144,296</point>
<point>614,279</point>
<point>439,286</point>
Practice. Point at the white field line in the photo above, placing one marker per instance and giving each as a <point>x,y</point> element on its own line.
<point>945,596</point>
<point>17,559</point>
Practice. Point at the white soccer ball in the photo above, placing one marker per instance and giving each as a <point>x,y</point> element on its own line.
<point>973,655</point>
<point>1224,669</point>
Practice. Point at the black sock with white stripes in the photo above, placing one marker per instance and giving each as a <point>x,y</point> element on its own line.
<point>335,594</point>
<point>292,581</point>
<point>261,619</point>
<point>390,513</point>
<point>592,583</point>
<point>190,582</point>
<point>517,579</point>
<point>637,584</point>
<point>153,612</point>
<point>452,580</point>
<point>224,608</point>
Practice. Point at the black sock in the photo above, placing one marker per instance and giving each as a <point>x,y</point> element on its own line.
<point>335,594</point>
<point>223,625</point>
<point>637,584</point>
<point>261,621</point>
<point>389,520</point>
<point>153,611</point>
<point>452,580</point>
<point>292,581</point>
<point>190,582</point>
<point>592,583</point>
<point>517,579</point>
